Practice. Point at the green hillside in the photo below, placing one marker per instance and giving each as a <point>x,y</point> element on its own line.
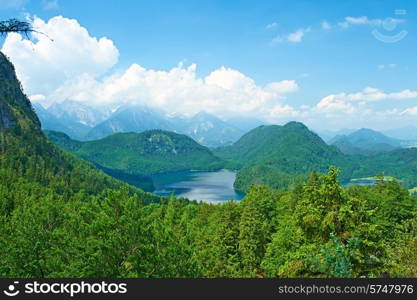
<point>272,142</point>
<point>26,154</point>
<point>149,152</point>
<point>281,156</point>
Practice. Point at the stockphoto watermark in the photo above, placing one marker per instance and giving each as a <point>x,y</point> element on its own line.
<point>64,288</point>
<point>388,31</point>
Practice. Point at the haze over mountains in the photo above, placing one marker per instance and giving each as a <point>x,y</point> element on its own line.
<point>365,141</point>
<point>82,122</point>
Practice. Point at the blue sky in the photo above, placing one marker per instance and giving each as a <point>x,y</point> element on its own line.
<point>326,48</point>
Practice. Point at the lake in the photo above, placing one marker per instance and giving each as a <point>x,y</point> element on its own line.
<point>361,182</point>
<point>213,187</point>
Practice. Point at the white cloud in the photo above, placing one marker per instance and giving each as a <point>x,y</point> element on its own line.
<point>37,98</point>
<point>359,103</point>
<point>78,66</point>
<point>283,87</point>
<point>364,20</point>
<point>223,91</point>
<point>45,64</point>
<point>410,111</point>
<point>334,103</point>
<point>283,111</point>
<point>352,102</point>
<point>297,36</point>
<point>326,25</point>
<point>294,37</point>
<point>271,25</point>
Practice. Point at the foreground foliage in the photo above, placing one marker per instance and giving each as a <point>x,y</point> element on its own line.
<point>318,229</point>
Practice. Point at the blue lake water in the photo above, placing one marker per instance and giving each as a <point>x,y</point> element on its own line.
<point>361,182</point>
<point>213,187</point>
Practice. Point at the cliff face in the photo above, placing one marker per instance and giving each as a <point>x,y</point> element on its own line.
<point>6,117</point>
<point>14,105</point>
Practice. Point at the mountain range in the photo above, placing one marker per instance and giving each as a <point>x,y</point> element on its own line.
<point>82,122</point>
<point>278,156</point>
<point>273,155</point>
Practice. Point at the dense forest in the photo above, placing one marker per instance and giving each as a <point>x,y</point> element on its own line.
<point>62,217</point>
<point>148,152</point>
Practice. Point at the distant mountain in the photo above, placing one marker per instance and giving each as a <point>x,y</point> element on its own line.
<point>365,141</point>
<point>327,135</point>
<point>75,111</point>
<point>207,129</point>
<point>345,146</point>
<point>149,152</point>
<point>130,118</point>
<point>82,122</point>
<point>49,121</point>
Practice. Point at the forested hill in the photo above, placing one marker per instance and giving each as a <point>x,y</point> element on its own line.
<point>269,142</point>
<point>149,152</point>
<point>26,155</point>
<point>281,156</point>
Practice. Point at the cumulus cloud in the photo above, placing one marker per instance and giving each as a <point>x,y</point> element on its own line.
<point>63,52</point>
<point>283,87</point>
<point>78,66</point>
<point>354,102</point>
<point>294,37</point>
<point>180,90</point>
<point>335,103</point>
<point>283,111</point>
